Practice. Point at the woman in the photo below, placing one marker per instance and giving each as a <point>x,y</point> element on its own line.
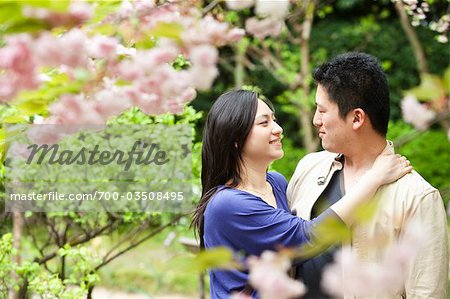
<point>244,207</point>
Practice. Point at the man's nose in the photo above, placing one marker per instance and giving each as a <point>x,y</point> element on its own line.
<point>317,120</point>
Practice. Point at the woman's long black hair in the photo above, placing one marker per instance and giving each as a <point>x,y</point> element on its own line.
<point>228,124</point>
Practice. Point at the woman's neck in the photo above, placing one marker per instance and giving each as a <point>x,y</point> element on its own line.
<point>254,176</point>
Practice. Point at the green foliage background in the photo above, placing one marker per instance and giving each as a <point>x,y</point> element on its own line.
<point>340,26</point>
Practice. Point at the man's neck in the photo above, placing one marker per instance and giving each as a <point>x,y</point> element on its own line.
<point>362,155</point>
<point>360,159</point>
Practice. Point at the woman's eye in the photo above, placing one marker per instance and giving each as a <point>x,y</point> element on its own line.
<point>264,122</point>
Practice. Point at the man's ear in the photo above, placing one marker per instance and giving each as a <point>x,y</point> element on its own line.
<point>358,118</point>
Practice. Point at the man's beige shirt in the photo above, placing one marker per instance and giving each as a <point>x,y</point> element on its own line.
<point>411,198</point>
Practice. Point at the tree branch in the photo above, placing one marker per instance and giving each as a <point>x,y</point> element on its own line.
<point>153,233</point>
<point>76,242</point>
<point>416,46</point>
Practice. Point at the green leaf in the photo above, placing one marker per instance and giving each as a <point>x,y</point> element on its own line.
<point>33,106</point>
<point>10,12</point>
<point>102,10</point>
<point>431,88</point>
<point>55,5</point>
<point>220,257</point>
<point>329,232</point>
<point>447,80</point>
<point>2,143</point>
<point>36,102</point>
<point>26,25</point>
<point>15,119</point>
<point>366,212</point>
<point>170,30</point>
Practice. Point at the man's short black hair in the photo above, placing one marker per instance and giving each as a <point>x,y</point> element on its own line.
<point>356,80</point>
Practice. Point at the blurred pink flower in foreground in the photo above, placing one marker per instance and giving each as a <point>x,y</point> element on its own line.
<point>240,296</point>
<point>351,276</point>
<point>268,275</point>
<point>416,113</point>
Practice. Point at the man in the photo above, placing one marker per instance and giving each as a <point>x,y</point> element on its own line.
<point>352,115</point>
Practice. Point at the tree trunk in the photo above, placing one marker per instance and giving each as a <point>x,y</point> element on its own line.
<point>305,115</point>
<point>239,73</point>
<point>413,39</point>
<point>18,222</point>
<point>89,294</point>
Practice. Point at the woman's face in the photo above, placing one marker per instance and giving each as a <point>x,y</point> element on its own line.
<point>263,144</point>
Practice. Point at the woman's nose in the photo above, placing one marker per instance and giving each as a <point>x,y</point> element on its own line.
<point>277,129</point>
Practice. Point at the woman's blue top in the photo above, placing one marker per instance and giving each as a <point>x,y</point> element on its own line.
<point>246,224</point>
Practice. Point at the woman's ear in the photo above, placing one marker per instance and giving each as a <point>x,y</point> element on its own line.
<point>359,118</point>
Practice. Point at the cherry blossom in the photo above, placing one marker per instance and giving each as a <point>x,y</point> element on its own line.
<point>147,77</point>
<point>239,4</point>
<point>235,34</point>
<point>276,10</point>
<point>48,49</point>
<point>19,150</point>
<point>350,275</point>
<point>203,77</point>
<point>77,14</point>
<point>268,275</point>
<point>102,47</point>
<point>263,28</point>
<point>75,109</point>
<point>16,58</point>
<point>44,134</point>
<point>240,296</point>
<point>416,113</point>
<point>204,55</point>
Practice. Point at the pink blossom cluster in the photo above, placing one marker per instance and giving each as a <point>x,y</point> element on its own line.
<point>269,276</point>
<point>416,9</point>
<point>147,78</point>
<point>270,16</point>
<point>442,26</point>
<point>23,55</point>
<point>195,29</point>
<point>77,13</point>
<point>19,65</point>
<point>416,113</point>
<point>351,276</point>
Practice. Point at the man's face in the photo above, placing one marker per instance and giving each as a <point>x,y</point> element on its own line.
<point>333,131</point>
